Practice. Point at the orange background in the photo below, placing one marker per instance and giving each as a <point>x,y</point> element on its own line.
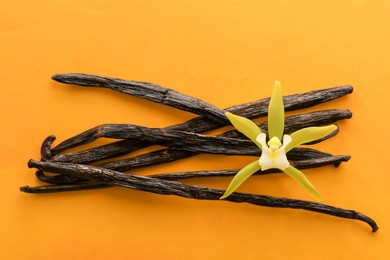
<point>225,52</point>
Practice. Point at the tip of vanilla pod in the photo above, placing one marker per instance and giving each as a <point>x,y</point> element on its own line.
<point>58,77</point>
<point>31,163</point>
<point>25,188</point>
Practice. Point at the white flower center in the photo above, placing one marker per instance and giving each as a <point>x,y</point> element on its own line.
<point>273,155</point>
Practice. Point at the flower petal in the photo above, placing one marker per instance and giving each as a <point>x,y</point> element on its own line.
<point>309,134</point>
<point>299,177</point>
<point>240,177</point>
<point>261,139</point>
<point>276,113</point>
<point>245,126</point>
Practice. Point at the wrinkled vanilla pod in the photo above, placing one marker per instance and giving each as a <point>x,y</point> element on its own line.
<point>149,91</point>
<point>69,183</point>
<point>166,187</point>
<point>292,124</point>
<point>187,141</point>
<point>312,159</point>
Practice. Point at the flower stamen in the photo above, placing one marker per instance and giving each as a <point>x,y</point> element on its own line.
<point>273,153</point>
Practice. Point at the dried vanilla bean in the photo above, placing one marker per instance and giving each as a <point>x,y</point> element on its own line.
<point>171,154</point>
<point>303,164</point>
<point>184,140</point>
<point>292,123</point>
<point>102,152</point>
<point>64,187</point>
<point>144,161</point>
<point>149,91</point>
<point>175,139</point>
<point>166,187</point>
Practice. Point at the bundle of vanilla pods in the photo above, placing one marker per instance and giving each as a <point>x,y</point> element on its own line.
<point>70,171</point>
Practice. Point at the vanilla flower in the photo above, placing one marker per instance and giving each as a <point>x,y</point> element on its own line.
<point>274,151</point>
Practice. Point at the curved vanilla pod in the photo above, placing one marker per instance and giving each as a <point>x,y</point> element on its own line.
<point>166,187</point>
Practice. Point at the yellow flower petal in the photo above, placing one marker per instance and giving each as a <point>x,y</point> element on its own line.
<point>299,177</point>
<point>276,113</point>
<point>245,126</point>
<point>309,134</point>
<point>240,177</point>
